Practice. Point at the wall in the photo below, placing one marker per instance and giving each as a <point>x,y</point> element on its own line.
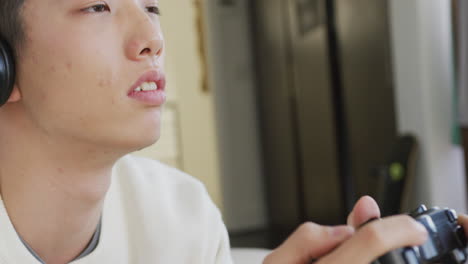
<point>424,71</point>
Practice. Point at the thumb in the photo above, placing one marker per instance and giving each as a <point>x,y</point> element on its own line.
<point>309,241</point>
<point>364,210</point>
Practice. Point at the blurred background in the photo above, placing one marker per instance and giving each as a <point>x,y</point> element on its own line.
<point>290,110</point>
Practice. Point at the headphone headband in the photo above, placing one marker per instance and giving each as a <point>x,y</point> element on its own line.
<point>7,71</point>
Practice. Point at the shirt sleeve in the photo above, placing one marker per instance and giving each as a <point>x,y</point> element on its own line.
<point>223,254</point>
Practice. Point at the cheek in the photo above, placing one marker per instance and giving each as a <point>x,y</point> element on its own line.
<point>69,89</point>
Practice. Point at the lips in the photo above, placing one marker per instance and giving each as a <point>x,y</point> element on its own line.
<point>152,97</point>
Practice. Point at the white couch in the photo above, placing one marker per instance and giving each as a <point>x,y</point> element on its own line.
<point>249,255</point>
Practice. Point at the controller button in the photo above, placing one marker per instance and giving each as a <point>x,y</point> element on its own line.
<point>459,255</point>
<point>429,250</point>
<point>421,209</point>
<point>428,223</point>
<point>452,216</point>
<point>410,257</point>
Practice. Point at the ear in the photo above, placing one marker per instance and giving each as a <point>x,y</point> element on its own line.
<point>15,95</point>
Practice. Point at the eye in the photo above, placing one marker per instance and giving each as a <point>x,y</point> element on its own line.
<point>154,10</point>
<point>99,8</point>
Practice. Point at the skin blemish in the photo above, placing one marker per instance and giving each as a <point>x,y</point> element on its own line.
<point>104,83</point>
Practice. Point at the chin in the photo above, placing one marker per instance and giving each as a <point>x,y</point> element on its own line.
<point>128,143</point>
<point>137,134</point>
<point>142,142</point>
<point>149,142</point>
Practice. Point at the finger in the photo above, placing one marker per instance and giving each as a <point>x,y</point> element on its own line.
<point>463,221</point>
<point>378,238</point>
<point>364,210</point>
<point>309,241</point>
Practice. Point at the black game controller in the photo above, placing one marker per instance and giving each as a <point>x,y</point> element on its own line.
<point>446,243</point>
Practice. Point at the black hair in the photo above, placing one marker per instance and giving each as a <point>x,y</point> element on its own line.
<point>11,25</point>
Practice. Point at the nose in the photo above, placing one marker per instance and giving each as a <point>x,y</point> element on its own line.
<point>145,38</point>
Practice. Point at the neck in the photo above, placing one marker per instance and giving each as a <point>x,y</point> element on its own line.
<point>53,192</point>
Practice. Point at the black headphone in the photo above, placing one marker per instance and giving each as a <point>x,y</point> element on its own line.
<point>7,71</point>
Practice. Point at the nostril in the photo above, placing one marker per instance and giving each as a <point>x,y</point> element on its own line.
<point>145,51</point>
<point>159,52</point>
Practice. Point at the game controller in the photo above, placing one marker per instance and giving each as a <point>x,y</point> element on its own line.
<point>446,244</point>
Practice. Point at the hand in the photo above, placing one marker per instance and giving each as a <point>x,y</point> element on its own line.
<point>463,221</point>
<point>309,241</point>
<point>376,239</point>
<point>343,244</point>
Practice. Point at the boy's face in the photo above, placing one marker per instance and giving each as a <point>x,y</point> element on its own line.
<point>78,64</point>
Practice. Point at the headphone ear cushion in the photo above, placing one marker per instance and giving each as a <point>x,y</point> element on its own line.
<point>7,72</point>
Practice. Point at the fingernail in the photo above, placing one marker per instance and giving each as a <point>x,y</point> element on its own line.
<point>342,231</point>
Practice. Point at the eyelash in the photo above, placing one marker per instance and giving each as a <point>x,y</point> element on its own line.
<point>99,8</point>
<point>155,10</point>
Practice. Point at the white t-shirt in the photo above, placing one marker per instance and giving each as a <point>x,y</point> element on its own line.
<point>152,214</point>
